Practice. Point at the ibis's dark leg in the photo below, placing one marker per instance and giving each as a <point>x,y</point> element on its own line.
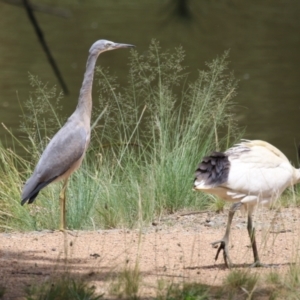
<point>225,240</point>
<point>251,232</point>
<point>62,199</point>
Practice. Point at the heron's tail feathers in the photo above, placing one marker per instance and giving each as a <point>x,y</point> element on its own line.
<point>30,196</point>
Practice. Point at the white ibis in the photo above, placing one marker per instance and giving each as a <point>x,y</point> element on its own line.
<point>248,174</point>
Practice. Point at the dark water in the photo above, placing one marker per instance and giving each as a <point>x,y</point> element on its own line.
<point>264,38</point>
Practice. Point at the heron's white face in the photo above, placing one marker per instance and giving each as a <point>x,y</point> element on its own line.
<point>109,45</point>
<point>105,45</point>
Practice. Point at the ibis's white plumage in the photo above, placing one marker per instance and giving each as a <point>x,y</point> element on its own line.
<point>250,173</point>
<point>257,169</point>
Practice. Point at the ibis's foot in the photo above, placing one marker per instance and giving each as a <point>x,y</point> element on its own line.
<point>258,264</point>
<point>223,246</point>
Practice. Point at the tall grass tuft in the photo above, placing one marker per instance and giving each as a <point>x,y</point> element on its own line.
<point>241,281</point>
<point>188,291</point>
<point>143,151</point>
<point>126,284</point>
<point>63,289</point>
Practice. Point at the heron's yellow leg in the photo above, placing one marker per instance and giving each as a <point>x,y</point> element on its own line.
<point>62,200</point>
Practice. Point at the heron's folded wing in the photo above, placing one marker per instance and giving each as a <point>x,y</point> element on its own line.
<point>63,151</point>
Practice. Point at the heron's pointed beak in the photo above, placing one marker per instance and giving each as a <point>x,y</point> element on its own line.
<point>117,45</point>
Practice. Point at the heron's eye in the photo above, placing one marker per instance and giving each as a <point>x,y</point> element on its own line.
<point>108,45</point>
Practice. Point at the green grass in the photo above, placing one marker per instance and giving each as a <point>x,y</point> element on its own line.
<point>187,291</point>
<point>126,284</point>
<point>143,151</point>
<point>241,282</point>
<point>62,289</point>
<point>238,284</point>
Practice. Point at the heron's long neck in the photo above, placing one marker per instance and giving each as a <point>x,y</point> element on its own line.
<point>85,97</point>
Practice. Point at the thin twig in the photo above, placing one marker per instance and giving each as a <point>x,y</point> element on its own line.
<point>43,8</point>
<point>41,38</point>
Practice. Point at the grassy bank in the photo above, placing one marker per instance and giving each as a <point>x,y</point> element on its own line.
<point>144,149</point>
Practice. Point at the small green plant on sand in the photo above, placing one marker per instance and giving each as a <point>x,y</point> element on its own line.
<point>241,282</point>
<point>284,286</point>
<point>187,291</point>
<point>63,289</point>
<point>216,204</point>
<point>126,284</point>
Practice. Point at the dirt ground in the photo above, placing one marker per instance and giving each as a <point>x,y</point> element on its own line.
<point>174,249</point>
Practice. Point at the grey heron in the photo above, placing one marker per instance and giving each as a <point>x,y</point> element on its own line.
<point>65,152</point>
<point>250,173</point>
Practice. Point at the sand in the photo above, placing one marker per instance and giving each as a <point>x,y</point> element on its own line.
<point>174,249</point>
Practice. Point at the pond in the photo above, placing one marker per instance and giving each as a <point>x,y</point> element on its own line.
<point>263,38</point>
